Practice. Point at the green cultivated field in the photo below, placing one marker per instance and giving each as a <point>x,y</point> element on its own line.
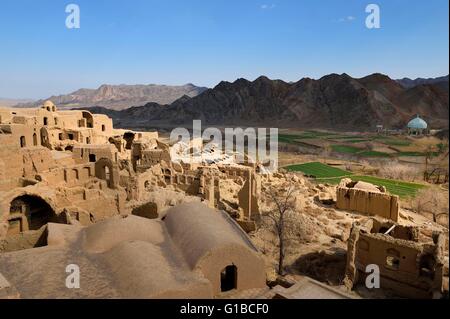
<point>327,174</point>
<point>318,170</point>
<point>346,149</point>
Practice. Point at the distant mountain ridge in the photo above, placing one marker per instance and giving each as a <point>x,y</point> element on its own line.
<point>408,83</point>
<point>332,102</point>
<point>119,97</point>
<point>6,102</point>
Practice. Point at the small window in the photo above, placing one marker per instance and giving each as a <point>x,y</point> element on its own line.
<point>92,158</point>
<point>71,137</point>
<point>56,121</point>
<point>103,128</point>
<point>393,259</point>
<point>392,262</point>
<point>23,141</point>
<point>45,121</point>
<point>60,136</point>
<point>88,140</point>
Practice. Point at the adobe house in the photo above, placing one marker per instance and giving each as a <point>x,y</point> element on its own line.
<point>194,252</point>
<point>407,267</point>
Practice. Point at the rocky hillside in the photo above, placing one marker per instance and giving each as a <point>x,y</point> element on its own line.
<point>119,97</point>
<point>332,102</point>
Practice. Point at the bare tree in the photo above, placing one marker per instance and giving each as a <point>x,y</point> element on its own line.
<point>281,216</point>
<point>431,200</point>
<point>326,152</point>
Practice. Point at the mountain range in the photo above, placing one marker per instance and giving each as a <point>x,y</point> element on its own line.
<point>119,97</point>
<point>7,102</point>
<point>334,101</point>
<point>439,81</point>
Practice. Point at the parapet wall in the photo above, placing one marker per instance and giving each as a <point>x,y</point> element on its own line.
<point>367,202</point>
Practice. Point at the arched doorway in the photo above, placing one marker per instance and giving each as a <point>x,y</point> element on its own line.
<point>44,138</point>
<point>228,278</point>
<point>105,169</point>
<point>89,119</point>
<point>29,212</point>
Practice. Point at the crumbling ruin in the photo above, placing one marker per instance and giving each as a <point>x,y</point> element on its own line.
<point>407,267</point>
<point>121,205</point>
<point>73,166</point>
<point>367,199</point>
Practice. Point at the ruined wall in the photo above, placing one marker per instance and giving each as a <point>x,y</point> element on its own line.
<point>367,202</point>
<point>408,268</point>
<point>92,153</point>
<point>249,196</point>
<point>35,161</point>
<point>70,176</point>
<point>17,162</point>
<point>100,204</point>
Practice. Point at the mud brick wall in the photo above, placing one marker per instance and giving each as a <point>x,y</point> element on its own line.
<point>370,203</point>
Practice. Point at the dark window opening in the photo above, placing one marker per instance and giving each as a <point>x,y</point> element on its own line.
<point>92,158</point>
<point>71,137</point>
<point>60,136</point>
<point>228,278</point>
<point>45,121</point>
<point>427,266</point>
<point>69,148</point>
<point>129,138</point>
<point>88,140</point>
<point>103,128</point>
<point>35,141</point>
<point>23,141</point>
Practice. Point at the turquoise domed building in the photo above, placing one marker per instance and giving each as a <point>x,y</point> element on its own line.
<point>417,126</point>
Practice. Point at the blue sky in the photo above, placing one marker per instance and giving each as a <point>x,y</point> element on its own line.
<point>206,41</point>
